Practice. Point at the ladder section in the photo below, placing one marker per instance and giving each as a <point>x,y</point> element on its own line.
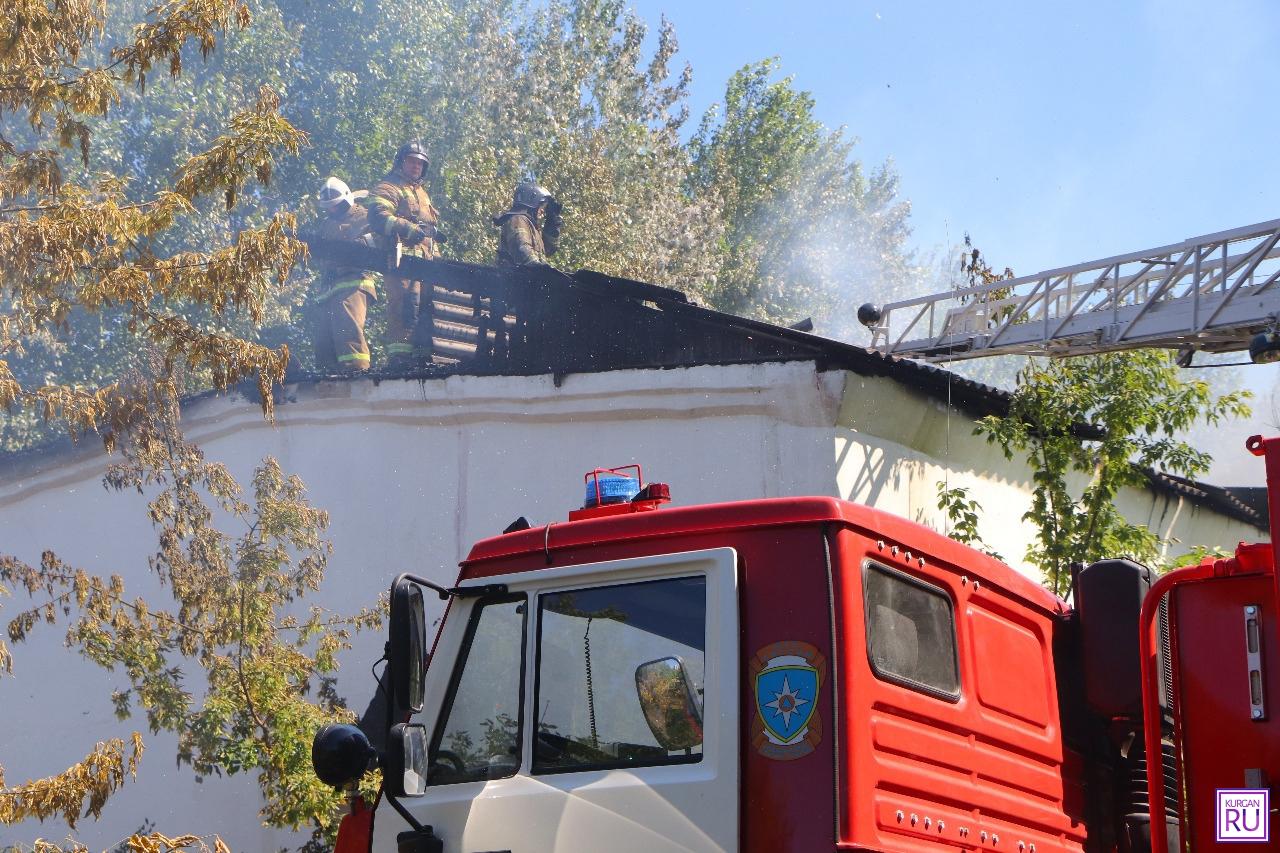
<point>1208,293</point>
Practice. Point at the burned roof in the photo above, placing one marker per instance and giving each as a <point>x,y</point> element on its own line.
<point>538,320</point>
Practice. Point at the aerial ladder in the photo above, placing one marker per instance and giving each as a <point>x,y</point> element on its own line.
<point>1216,293</point>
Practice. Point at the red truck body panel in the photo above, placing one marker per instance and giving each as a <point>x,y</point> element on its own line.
<point>986,770</point>
<point>1211,679</point>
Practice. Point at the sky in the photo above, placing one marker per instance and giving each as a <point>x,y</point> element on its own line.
<point>1053,133</point>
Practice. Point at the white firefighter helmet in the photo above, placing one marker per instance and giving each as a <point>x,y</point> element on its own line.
<point>334,192</point>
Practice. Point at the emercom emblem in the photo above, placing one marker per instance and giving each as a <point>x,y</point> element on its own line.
<point>787,678</point>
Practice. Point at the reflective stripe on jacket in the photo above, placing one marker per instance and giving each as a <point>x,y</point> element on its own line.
<point>395,206</point>
<point>338,277</point>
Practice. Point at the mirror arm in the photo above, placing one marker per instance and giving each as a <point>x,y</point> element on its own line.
<point>404,813</point>
<point>423,838</point>
<point>441,591</point>
<point>458,591</point>
<point>481,591</point>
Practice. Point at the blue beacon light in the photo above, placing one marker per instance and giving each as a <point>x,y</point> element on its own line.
<point>611,489</point>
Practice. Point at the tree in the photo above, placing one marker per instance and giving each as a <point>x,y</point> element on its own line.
<point>84,247</point>
<point>962,513</point>
<point>234,618</point>
<point>802,220</point>
<point>1089,427</point>
<point>566,94</point>
<point>78,246</point>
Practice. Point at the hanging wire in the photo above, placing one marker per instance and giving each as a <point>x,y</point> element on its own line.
<point>591,693</point>
<point>946,448</point>
<point>374,670</point>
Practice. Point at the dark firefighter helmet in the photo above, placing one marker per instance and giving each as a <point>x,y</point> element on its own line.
<point>414,149</point>
<point>530,195</point>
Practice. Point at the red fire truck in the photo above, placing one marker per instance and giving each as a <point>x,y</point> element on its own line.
<point>808,674</point>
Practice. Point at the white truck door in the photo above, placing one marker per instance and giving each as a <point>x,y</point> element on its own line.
<point>590,708</point>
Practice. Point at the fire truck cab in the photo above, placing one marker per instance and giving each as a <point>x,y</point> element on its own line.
<point>808,674</point>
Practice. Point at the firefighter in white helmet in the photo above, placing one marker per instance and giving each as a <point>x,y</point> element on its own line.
<point>343,292</point>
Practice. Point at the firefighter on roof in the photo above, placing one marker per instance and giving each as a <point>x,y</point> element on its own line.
<point>344,292</point>
<point>401,214</point>
<point>530,229</point>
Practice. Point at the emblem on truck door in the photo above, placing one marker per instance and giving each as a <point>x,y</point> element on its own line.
<point>787,678</point>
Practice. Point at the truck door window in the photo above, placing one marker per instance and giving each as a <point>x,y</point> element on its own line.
<point>599,650</point>
<point>911,631</point>
<point>478,736</point>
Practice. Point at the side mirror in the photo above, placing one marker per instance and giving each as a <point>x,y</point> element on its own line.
<point>670,703</point>
<point>407,660</point>
<point>406,760</point>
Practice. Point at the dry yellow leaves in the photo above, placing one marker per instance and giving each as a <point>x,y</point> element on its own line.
<point>80,790</point>
<point>159,843</point>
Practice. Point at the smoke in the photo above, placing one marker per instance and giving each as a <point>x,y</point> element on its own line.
<point>830,240</point>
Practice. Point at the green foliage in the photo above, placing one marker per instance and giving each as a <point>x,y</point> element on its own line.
<point>1194,556</point>
<point>1089,427</point>
<point>801,218</point>
<point>123,282</point>
<point>962,514</point>
<point>565,93</point>
<point>83,246</point>
<point>978,273</point>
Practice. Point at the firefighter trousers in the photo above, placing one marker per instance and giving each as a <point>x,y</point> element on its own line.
<point>340,342</point>
<point>401,322</point>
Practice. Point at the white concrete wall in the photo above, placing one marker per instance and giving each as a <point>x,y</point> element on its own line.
<point>895,444</point>
<point>413,472</point>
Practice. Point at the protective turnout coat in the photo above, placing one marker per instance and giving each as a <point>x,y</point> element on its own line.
<point>522,241</point>
<point>342,298</point>
<point>397,207</point>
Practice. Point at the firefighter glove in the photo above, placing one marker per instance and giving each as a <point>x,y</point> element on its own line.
<point>555,218</point>
<point>416,234</point>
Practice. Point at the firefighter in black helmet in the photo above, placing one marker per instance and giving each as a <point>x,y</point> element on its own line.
<point>531,228</point>
<point>401,214</point>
